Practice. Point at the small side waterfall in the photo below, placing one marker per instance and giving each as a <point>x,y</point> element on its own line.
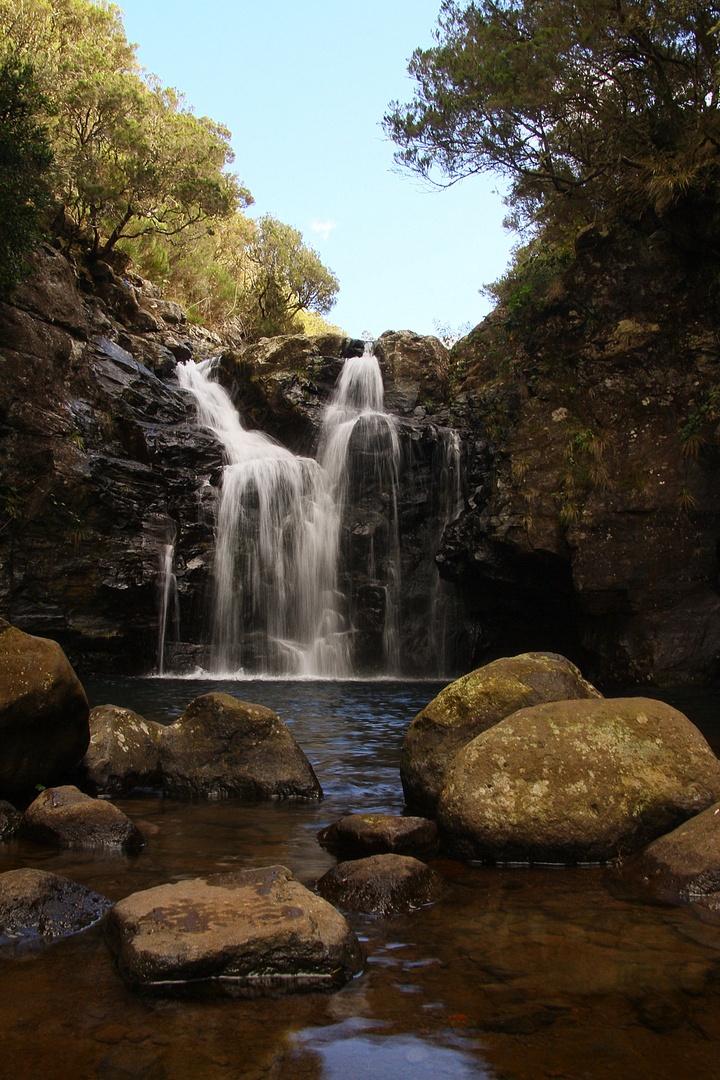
<point>443,602</point>
<point>169,602</point>
<point>276,603</point>
<point>360,451</point>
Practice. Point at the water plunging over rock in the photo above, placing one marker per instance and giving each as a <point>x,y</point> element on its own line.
<point>360,450</point>
<point>276,604</point>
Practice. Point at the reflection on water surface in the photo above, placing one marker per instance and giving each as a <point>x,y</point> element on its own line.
<point>517,974</point>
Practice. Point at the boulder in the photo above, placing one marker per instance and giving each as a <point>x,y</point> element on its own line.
<point>471,705</point>
<point>223,747</point>
<point>43,711</point>
<point>680,866</point>
<point>36,904</point>
<point>251,932</point>
<point>10,819</point>
<point>576,780</point>
<point>123,752</point>
<point>382,885</point>
<point>358,835</point>
<point>66,817</point>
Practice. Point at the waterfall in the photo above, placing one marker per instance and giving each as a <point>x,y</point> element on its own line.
<point>360,451</point>
<point>276,606</point>
<point>169,601</point>
<point>443,601</point>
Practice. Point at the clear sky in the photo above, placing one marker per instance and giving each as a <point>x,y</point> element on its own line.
<point>303,87</point>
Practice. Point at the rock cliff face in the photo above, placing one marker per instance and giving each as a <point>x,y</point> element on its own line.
<point>559,466</point>
<point>597,405</point>
<point>104,469</point>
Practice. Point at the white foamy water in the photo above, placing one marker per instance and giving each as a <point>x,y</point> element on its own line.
<point>276,604</point>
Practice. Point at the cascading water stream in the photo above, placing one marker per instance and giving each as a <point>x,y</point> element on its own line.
<point>169,602</point>
<point>360,451</point>
<point>276,604</point>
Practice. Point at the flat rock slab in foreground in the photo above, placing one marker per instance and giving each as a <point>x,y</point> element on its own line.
<point>223,747</point>
<point>382,885</point>
<point>471,705</point>
<point>66,817</point>
<point>682,865</point>
<point>250,933</point>
<point>358,835</point>
<point>576,781</point>
<point>35,905</point>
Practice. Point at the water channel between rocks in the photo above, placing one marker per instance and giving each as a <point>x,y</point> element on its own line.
<point>517,974</point>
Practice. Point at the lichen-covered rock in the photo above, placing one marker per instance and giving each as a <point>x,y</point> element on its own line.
<point>471,705</point>
<point>358,835</point>
<point>382,885</point>
<point>680,866</point>
<point>576,780</point>
<point>43,711</point>
<point>10,819</point>
<point>123,752</point>
<point>68,818</point>
<point>35,904</point>
<point>223,747</point>
<point>250,932</point>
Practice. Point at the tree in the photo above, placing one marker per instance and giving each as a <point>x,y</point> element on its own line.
<point>598,108</point>
<point>283,277</point>
<point>25,157</point>
<point>131,159</point>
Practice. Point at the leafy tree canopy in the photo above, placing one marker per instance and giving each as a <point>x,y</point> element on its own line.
<point>25,158</point>
<point>597,108</point>
<point>130,158</point>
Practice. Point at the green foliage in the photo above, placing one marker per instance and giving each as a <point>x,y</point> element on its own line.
<point>131,160</point>
<point>691,432</point>
<point>25,158</point>
<point>603,107</point>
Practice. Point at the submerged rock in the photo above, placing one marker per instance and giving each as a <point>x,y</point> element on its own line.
<point>68,818</point>
<point>378,834</point>
<point>223,747</point>
<point>123,752</point>
<point>471,705</point>
<point>382,885</point>
<point>252,932</point>
<point>682,865</point>
<point>37,904</point>
<point>576,780</point>
<point>43,711</point>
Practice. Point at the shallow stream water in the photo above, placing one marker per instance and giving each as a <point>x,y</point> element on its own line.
<point>519,974</point>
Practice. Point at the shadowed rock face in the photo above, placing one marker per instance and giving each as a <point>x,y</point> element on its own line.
<point>681,866</point>
<point>254,932</point>
<point>382,884</point>
<point>471,705</point>
<point>576,780</point>
<point>66,817</point>
<point>43,711</point>
<point>36,905</point>
<point>223,747</point>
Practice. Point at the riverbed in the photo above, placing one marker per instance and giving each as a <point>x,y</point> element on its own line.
<point>518,974</point>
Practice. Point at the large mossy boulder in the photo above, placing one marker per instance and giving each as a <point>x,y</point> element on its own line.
<point>36,905</point>
<point>223,747</point>
<point>123,753</point>
<point>681,866</point>
<point>43,712</point>
<point>471,705</point>
<point>572,781</point>
<point>66,817</point>
<point>251,932</point>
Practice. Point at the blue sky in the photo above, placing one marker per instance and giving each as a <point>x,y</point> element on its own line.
<point>303,87</point>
